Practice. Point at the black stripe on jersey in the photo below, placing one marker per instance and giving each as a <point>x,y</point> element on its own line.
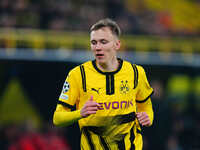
<point>110,87</point>
<point>104,144</point>
<point>67,105</point>
<point>126,118</point>
<point>88,137</point>
<point>121,144</point>
<point>132,138</point>
<point>139,131</point>
<point>135,75</point>
<point>83,78</point>
<point>95,129</point>
<point>118,119</point>
<point>142,101</point>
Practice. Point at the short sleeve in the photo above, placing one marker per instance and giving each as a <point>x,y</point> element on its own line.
<point>144,88</point>
<point>70,92</point>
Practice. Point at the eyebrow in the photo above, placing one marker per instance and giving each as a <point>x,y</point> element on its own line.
<point>99,39</point>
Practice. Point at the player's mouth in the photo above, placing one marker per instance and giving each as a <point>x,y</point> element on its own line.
<point>99,56</point>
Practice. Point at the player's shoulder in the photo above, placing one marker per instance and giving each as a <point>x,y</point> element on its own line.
<point>136,67</point>
<point>128,63</point>
<point>86,64</point>
<point>78,67</point>
<point>139,67</point>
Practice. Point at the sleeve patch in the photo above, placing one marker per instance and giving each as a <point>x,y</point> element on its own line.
<point>66,87</point>
<point>64,96</point>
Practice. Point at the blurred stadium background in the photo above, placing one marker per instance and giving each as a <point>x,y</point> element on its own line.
<point>41,40</point>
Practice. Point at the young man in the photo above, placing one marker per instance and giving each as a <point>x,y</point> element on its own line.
<point>112,96</point>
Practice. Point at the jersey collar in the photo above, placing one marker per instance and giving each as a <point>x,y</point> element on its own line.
<point>108,73</point>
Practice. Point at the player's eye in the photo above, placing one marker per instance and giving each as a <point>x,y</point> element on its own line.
<point>93,42</point>
<point>104,41</point>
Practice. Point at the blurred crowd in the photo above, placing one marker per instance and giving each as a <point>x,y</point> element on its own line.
<point>177,114</point>
<point>25,136</point>
<point>134,17</point>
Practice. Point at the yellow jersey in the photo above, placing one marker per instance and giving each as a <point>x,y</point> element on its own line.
<point>114,126</point>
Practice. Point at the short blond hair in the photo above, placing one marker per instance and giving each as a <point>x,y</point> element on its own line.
<point>107,22</point>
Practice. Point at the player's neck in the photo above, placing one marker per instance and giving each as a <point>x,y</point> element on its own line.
<point>108,66</point>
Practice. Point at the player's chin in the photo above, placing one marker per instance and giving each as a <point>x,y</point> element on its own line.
<point>100,60</point>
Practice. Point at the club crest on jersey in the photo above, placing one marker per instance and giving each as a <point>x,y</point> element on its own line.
<point>65,87</point>
<point>124,87</point>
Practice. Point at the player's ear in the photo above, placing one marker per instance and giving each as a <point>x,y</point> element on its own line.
<point>117,44</point>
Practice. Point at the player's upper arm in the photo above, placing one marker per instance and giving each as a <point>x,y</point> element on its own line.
<point>71,88</point>
<point>61,108</point>
<point>144,88</point>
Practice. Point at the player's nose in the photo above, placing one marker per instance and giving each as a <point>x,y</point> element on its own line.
<point>98,46</point>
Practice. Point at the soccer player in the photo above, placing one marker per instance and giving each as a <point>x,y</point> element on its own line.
<point>111,95</point>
